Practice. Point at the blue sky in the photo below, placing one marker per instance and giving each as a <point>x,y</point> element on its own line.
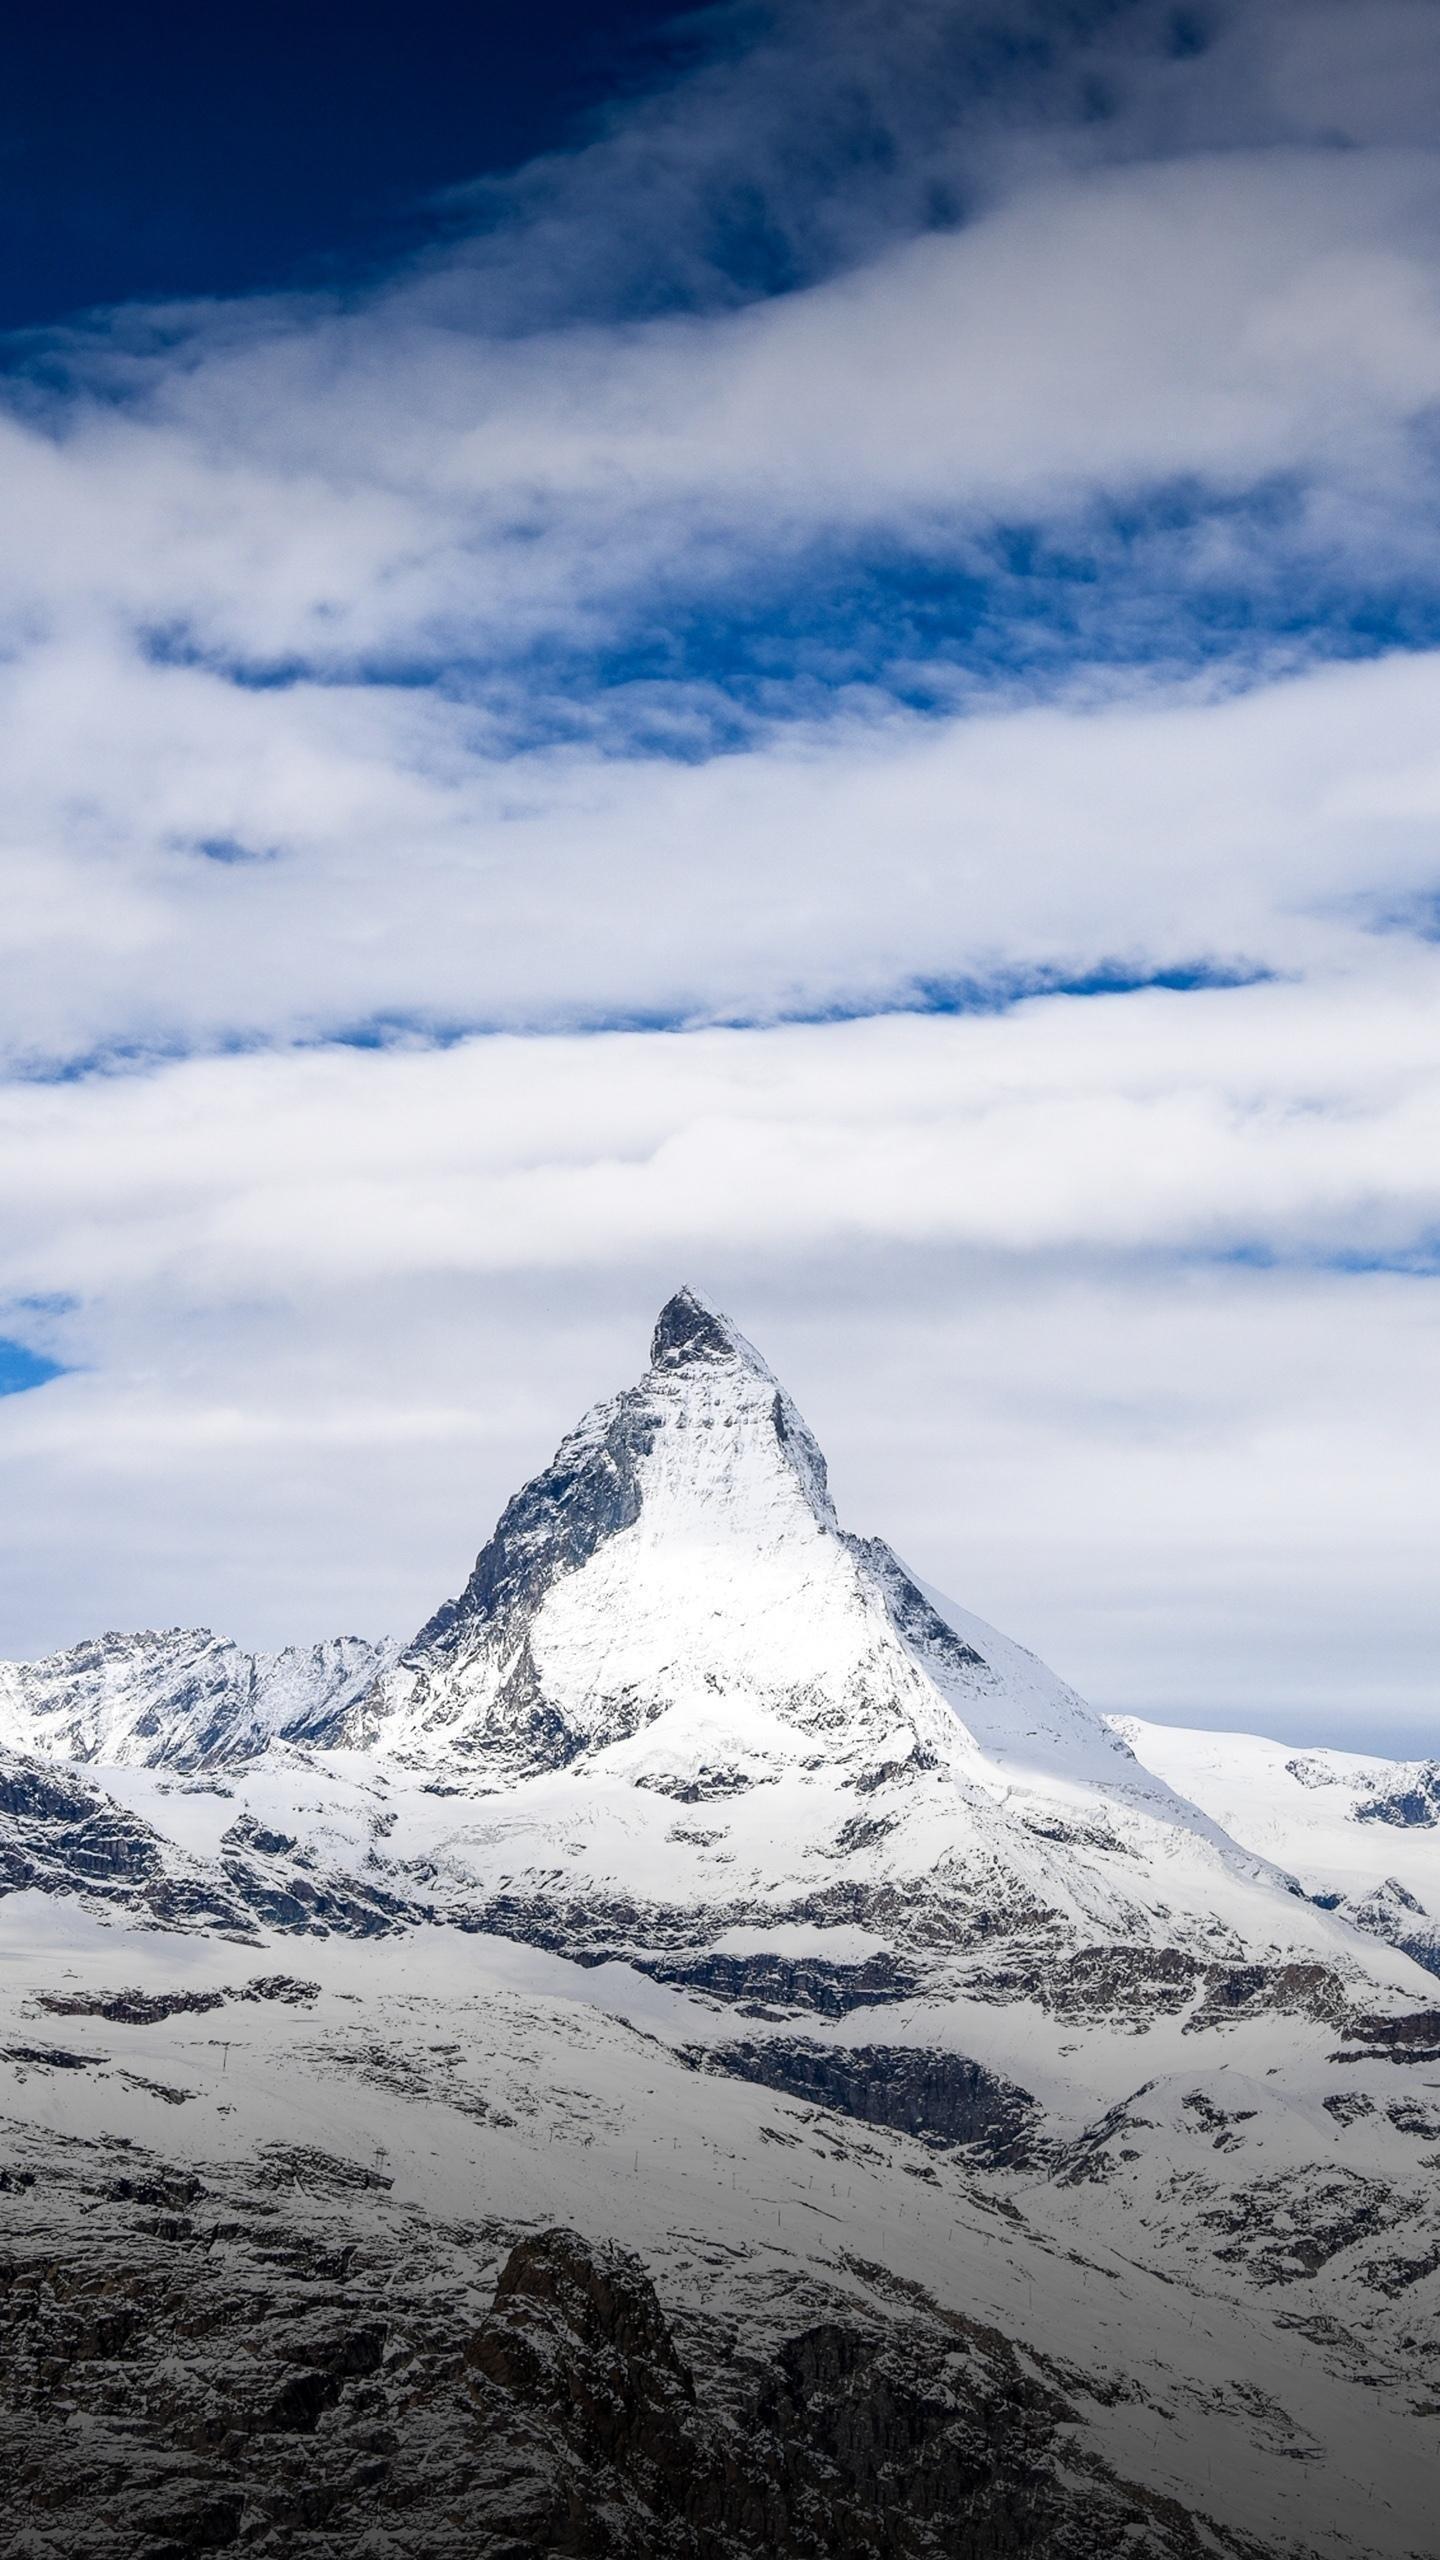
<point>165,151</point>
<point>797,648</point>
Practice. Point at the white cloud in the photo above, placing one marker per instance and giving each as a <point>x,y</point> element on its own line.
<point>834,863</point>
<point>1295,1119</point>
<point>344,485</point>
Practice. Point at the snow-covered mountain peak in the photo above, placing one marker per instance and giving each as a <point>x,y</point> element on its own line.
<point>727,1441</point>
<point>672,1605</point>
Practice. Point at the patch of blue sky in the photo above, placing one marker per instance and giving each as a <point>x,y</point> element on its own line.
<point>176,644</point>
<point>131,1057</point>
<point>942,616</point>
<point>1417,1260</point>
<point>229,850</point>
<point>22,1369</point>
<point>999,992</point>
<point>944,994</point>
<point>1184,584</point>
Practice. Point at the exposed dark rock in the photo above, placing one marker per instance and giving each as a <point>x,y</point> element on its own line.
<point>1409,1808</point>
<point>31,1792</point>
<point>1281,1990</point>
<point>1116,1983</point>
<point>1133,1985</point>
<point>285,1897</point>
<point>47,2057</point>
<point>788,1982</point>
<point>130,2008</point>
<point>687,1330</point>
<point>705,1784</point>
<point>1411,2037</point>
<point>553,1526</point>
<point>1285,2227</point>
<point>209,2524</point>
<point>941,2097</point>
<point>248,1833</point>
<point>923,2441</point>
<point>319,2171</point>
<point>917,1619</point>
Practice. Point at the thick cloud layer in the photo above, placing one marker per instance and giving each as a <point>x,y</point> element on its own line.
<point>883,613</point>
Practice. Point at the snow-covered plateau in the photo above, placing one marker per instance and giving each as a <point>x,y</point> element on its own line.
<point>707,2050</point>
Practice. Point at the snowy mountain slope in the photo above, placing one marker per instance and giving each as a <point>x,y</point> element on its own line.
<point>1360,1831</point>
<point>217,1866</point>
<point>311,2181</point>
<point>181,1698</point>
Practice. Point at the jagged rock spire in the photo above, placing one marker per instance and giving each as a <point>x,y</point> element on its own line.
<point>689,1328</point>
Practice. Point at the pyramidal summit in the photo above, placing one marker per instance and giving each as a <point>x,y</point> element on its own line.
<point>706,2049</point>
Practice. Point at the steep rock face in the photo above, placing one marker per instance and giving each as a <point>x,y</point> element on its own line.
<point>874,2442</point>
<point>942,2097</point>
<point>274,2358</point>
<point>180,1698</point>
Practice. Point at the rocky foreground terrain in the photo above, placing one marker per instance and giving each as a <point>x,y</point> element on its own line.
<point>707,2050</point>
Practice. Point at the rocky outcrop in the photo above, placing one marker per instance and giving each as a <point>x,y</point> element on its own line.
<point>787,1982</point>
<point>1413,1804</point>
<point>943,2098</point>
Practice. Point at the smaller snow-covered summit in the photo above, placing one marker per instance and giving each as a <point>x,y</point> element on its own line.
<point>180,1697</point>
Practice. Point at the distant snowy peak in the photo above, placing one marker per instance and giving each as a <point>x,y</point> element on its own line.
<point>181,1698</point>
<point>1361,1833</point>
